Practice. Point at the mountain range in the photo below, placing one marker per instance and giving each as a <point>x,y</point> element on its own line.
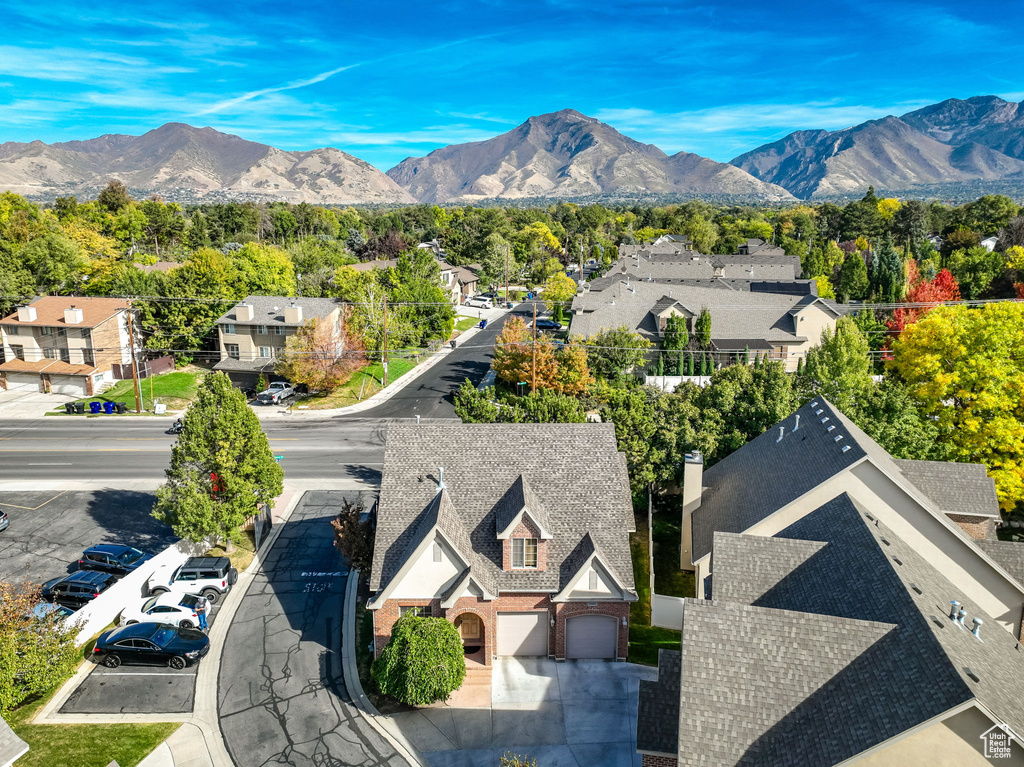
<point>953,147</point>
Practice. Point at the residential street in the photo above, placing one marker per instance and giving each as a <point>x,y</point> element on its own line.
<point>282,699</point>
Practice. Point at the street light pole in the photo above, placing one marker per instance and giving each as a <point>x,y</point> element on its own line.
<point>533,387</point>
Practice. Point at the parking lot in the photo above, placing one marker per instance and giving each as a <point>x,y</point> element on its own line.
<point>49,531</point>
<point>136,689</point>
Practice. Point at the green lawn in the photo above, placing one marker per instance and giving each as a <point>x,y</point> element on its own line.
<point>669,579</point>
<point>367,381</point>
<point>466,323</point>
<point>83,745</point>
<point>175,390</point>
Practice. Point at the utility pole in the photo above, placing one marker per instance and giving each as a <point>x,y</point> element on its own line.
<point>506,271</point>
<point>581,259</point>
<point>533,347</point>
<point>384,341</point>
<point>135,365</point>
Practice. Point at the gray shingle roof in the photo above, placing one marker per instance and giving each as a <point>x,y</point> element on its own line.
<point>581,481</point>
<point>269,310</point>
<point>851,646</point>
<point>956,488</point>
<point>734,314</point>
<point>255,365</point>
<point>657,719</point>
<point>1007,554</point>
<point>518,497</point>
<point>11,746</point>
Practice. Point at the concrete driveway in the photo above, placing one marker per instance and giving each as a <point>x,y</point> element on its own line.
<point>574,714</point>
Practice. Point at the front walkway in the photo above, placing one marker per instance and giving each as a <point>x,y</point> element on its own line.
<point>573,714</point>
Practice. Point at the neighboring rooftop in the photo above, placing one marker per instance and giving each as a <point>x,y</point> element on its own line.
<point>484,464</point>
<point>269,310</point>
<point>955,488</point>
<point>50,311</point>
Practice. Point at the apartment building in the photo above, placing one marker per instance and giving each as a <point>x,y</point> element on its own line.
<point>252,334</point>
<point>65,345</point>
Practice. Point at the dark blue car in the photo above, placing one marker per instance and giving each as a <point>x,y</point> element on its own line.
<point>112,558</point>
<point>77,589</point>
<point>548,325</point>
<point>151,644</point>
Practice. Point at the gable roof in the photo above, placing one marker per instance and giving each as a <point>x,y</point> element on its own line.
<point>520,499</point>
<point>585,553</point>
<point>482,462</point>
<point>955,488</point>
<point>857,620</point>
<point>1009,555</point>
<point>269,310</point>
<point>50,311</point>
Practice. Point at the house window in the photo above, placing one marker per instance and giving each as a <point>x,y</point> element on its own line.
<point>592,584</point>
<point>12,330</point>
<point>280,330</point>
<point>62,332</point>
<point>232,351</point>
<point>524,552</point>
<point>87,358</point>
<point>261,330</point>
<point>265,351</point>
<point>420,611</point>
<point>50,354</point>
<point>18,352</point>
<point>45,330</point>
<point>229,329</point>
<point>437,552</point>
<point>65,356</point>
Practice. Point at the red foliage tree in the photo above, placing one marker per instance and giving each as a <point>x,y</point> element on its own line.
<point>929,293</point>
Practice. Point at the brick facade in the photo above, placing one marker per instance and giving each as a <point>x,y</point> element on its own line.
<point>980,528</point>
<point>385,617</point>
<point>525,529</point>
<point>649,760</point>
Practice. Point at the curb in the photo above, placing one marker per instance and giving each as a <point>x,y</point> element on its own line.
<point>355,687</point>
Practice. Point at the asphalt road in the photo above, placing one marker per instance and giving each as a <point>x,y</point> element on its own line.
<point>56,448</point>
<point>281,696</point>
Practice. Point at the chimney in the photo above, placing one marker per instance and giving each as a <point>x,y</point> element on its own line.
<point>797,424</point>
<point>977,628</point>
<point>693,478</point>
<point>440,478</point>
<point>73,316</point>
<point>26,314</point>
<point>244,313</point>
<point>293,314</point>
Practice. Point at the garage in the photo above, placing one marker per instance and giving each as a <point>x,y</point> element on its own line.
<point>523,633</point>
<point>591,636</point>
<point>72,385</point>
<point>24,382</point>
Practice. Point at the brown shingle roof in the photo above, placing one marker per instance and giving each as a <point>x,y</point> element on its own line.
<point>50,311</point>
<point>50,367</point>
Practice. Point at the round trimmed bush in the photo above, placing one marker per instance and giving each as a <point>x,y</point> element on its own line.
<point>423,663</point>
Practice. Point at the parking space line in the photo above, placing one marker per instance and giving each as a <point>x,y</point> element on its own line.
<point>139,673</point>
<point>33,508</point>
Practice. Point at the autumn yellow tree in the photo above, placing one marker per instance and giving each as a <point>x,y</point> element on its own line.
<point>517,359</point>
<point>887,208</point>
<point>965,367</point>
<point>573,372</point>
<point>322,354</point>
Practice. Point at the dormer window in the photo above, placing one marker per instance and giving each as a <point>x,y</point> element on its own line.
<point>524,553</point>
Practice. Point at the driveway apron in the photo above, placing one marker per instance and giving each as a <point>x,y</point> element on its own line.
<point>281,696</point>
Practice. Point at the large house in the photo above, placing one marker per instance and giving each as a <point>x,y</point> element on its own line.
<point>459,282</point>
<point>65,345</point>
<point>854,609</point>
<point>526,552</point>
<point>781,325</point>
<point>252,334</point>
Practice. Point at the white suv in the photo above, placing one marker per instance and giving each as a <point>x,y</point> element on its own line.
<point>210,577</point>
<point>479,302</point>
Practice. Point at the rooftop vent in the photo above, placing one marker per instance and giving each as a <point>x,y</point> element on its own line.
<point>897,560</point>
<point>917,589</point>
<point>819,411</point>
<point>838,437</point>
<point>977,628</point>
<point>885,541</point>
<point>814,404</point>
<point>825,419</point>
<point>937,621</point>
<point>830,428</point>
<point>440,478</point>
<point>797,424</point>
<point>972,674</point>
<point>845,448</point>
<point>782,433</point>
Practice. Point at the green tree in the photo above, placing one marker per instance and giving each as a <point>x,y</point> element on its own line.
<point>702,233</point>
<point>423,663</point>
<point>114,196</point>
<point>853,279</point>
<point>263,270</point>
<point>888,277</point>
<point>558,290</point>
<point>615,352</point>
<point>838,368</point>
<point>702,328</point>
<point>675,339</point>
<point>573,368</point>
<point>56,263</point>
<point>890,416</point>
<point>16,284</point>
<point>36,651</point>
<point>975,269</point>
<point>964,367</point>
<point>222,469</point>
<point>354,533</point>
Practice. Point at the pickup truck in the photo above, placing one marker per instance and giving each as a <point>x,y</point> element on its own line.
<point>276,393</point>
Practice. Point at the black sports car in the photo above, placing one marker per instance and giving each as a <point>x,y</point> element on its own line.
<point>151,644</point>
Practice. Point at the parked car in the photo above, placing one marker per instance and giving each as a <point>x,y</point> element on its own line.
<point>544,324</point>
<point>276,393</point>
<point>112,558</point>
<point>77,589</point>
<point>151,644</point>
<point>479,302</point>
<point>210,577</point>
<point>43,609</point>
<point>4,521</point>
<point>176,609</point>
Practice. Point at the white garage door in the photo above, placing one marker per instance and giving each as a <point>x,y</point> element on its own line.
<point>523,633</point>
<point>73,385</point>
<point>23,382</point>
<point>591,636</point>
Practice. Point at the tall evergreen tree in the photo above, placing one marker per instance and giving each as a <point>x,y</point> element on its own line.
<point>888,277</point>
<point>222,469</point>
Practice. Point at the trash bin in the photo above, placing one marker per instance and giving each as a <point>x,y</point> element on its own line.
<point>69,408</point>
<point>79,407</point>
<point>483,324</point>
<point>122,407</point>
<point>108,408</point>
<point>95,408</point>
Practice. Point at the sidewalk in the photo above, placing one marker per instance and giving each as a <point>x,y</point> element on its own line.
<point>380,397</point>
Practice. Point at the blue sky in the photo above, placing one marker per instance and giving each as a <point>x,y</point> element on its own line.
<point>385,81</point>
